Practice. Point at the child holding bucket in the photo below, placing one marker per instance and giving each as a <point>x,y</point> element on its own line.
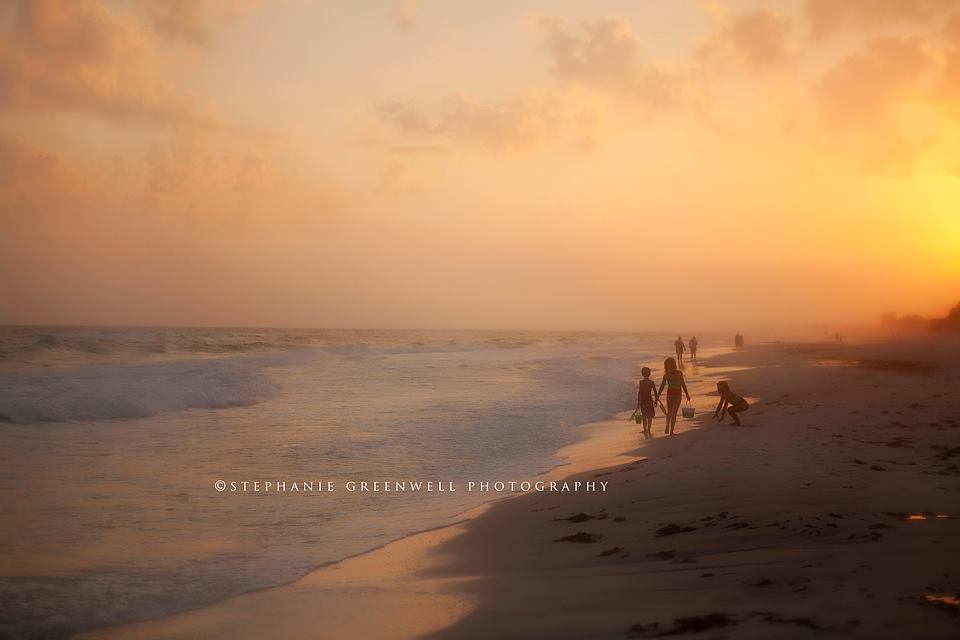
<point>645,393</point>
<point>676,388</point>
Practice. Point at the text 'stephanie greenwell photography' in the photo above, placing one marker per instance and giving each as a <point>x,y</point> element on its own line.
<point>442,320</point>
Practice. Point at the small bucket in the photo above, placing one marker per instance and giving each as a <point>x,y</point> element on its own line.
<point>687,411</point>
<point>638,417</point>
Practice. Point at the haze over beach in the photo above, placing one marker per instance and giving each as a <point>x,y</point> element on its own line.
<point>433,319</point>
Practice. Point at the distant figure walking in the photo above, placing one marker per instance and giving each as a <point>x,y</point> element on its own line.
<point>729,403</point>
<point>693,347</point>
<point>738,340</point>
<point>645,401</point>
<point>678,345</point>
<point>676,387</point>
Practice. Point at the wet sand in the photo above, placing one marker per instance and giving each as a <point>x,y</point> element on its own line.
<point>818,515</point>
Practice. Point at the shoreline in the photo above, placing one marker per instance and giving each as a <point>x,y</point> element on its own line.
<point>604,444</point>
<point>782,525</point>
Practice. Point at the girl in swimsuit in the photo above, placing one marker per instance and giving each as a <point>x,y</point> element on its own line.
<point>645,392</point>
<point>676,388</point>
<point>729,403</point>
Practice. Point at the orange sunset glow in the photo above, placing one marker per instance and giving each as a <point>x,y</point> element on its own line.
<point>434,164</point>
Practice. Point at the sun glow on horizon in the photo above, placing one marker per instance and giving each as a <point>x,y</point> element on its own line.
<point>285,163</point>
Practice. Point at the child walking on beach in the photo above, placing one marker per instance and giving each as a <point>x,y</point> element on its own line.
<point>645,394</point>
<point>676,387</point>
<point>729,403</point>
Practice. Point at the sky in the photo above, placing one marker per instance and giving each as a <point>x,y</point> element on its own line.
<point>611,165</point>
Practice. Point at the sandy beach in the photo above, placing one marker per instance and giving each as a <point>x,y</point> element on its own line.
<point>833,509</point>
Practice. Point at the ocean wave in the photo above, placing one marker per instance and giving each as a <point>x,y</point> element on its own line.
<point>353,406</point>
<point>52,347</point>
<point>134,390</point>
<point>53,343</point>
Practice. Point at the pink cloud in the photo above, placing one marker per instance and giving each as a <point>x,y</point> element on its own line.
<point>192,21</point>
<point>605,56</point>
<point>826,17</point>
<point>89,57</point>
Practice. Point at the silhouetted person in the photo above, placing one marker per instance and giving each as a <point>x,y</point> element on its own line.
<point>729,403</point>
<point>645,401</point>
<point>676,387</point>
<point>678,345</point>
<point>693,347</point>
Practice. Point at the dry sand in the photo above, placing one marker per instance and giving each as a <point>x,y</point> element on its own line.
<point>795,524</point>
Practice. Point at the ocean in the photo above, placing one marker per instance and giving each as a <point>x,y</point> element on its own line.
<point>112,440</point>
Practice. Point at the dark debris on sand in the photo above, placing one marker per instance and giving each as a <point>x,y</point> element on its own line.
<point>711,621</point>
<point>581,537</point>
<point>897,442</point>
<point>692,624</point>
<point>673,529</point>
<point>906,366</point>
<point>579,517</point>
<point>946,452</point>
<point>776,618</point>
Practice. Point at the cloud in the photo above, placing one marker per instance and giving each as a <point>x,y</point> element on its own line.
<point>948,83</point>
<point>760,37</point>
<point>405,117</point>
<point>190,169</point>
<point>403,15</point>
<point>827,17</point>
<point>605,56</point>
<point>866,84</point>
<point>192,21</point>
<point>89,57</point>
<point>602,56</point>
<point>951,30</point>
<point>32,181</point>
<point>393,177</point>
<point>172,170</point>
<point>517,123</point>
<point>864,103</point>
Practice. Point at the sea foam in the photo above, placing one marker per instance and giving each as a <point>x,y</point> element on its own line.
<point>133,390</point>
